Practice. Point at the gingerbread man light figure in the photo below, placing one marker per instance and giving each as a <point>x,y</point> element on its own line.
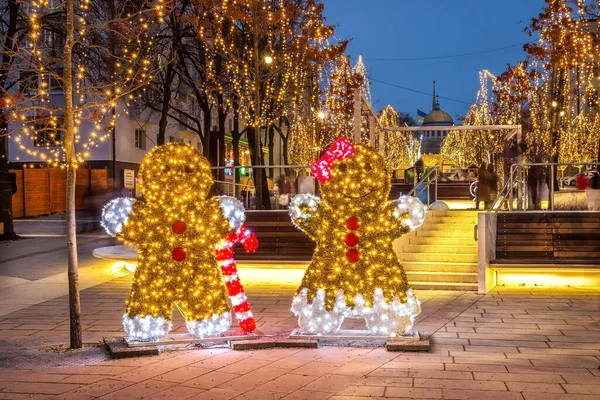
<point>183,236</point>
<point>354,271</point>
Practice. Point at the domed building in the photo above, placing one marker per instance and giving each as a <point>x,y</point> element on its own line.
<point>430,138</point>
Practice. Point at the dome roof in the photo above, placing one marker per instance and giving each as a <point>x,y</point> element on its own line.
<point>438,117</point>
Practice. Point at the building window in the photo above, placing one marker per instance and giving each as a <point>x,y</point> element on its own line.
<point>140,139</point>
<point>439,133</point>
<point>231,125</point>
<point>171,139</point>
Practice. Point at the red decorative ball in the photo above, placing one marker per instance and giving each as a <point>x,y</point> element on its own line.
<point>178,254</point>
<point>179,227</point>
<point>352,223</point>
<point>351,239</point>
<point>352,255</point>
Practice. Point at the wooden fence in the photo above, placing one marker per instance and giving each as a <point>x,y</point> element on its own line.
<point>43,191</point>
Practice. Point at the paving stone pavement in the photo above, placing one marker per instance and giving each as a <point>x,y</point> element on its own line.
<point>541,344</point>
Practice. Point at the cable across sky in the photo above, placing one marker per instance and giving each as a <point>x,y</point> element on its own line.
<point>449,56</point>
<point>418,91</point>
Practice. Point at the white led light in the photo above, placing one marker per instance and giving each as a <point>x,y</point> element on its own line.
<point>233,211</point>
<point>415,209</point>
<point>146,329</point>
<point>299,204</point>
<point>214,326</point>
<point>115,214</point>
<point>389,319</point>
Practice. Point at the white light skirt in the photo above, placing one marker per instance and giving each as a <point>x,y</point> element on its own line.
<point>146,329</point>
<point>382,318</point>
<point>213,326</point>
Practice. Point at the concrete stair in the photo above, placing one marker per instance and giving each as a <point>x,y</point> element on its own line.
<point>442,254</point>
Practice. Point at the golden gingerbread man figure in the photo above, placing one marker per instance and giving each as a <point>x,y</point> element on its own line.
<point>354,271</point>
<point>176,229</point>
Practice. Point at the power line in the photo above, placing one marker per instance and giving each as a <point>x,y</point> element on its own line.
<point>418,91</point>
<point>474,53</point>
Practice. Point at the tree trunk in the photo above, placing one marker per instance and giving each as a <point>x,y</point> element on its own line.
<point>271,144</point>
<point>71,159</point>
<point>166,101</point>
<point>207,120</point>
<point>263,202</point>
<point>222,117</point>
<point>235,142</point>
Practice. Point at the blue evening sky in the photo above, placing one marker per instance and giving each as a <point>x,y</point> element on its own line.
<point>431,28</point>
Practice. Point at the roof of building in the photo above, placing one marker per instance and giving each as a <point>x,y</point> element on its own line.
<point>437,116</point>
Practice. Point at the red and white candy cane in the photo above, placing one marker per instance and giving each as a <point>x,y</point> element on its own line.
<point>238,298</point>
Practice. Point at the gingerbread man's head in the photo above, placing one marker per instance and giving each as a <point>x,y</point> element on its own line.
<point>351,173</point>
<point>175,170</point>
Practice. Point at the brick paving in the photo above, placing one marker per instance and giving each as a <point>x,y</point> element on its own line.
<point>525,344</point>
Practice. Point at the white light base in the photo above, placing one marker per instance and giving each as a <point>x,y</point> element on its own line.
<point>214,326</point>
<point>351,334</point>
<point>383,318</point>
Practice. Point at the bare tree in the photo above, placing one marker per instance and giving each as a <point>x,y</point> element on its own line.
<point>80,60</point>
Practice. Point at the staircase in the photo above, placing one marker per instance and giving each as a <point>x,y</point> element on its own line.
<point>441,254</point>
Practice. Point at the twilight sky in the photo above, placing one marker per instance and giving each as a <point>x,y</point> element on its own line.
<point>401,29</point>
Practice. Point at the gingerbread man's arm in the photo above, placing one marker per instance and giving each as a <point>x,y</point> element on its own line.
<point>408,213</point>
<point>118,214</point>
<point>233,211</point>
<point>304,213</point>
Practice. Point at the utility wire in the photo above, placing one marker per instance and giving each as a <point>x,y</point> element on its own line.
<point>418,91</point>
<point>474,53</point>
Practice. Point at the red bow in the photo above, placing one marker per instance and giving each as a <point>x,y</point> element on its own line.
<point>339,150</point>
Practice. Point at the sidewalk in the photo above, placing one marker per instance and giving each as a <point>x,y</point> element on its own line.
<point>510,344</point>
<point>541,344</point>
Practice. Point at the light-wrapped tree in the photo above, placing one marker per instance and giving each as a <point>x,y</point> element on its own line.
<point>80,59</point>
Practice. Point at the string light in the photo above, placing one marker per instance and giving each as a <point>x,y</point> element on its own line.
<point>354,272</point>
<point>401,148</point>
<point>34,115</point>
<point>555,89</point>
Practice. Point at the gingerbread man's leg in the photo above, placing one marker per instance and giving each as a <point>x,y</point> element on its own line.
<point>149,312</point>
<point>313,317</point>
<point>206,312</point>
<point>394,318</point>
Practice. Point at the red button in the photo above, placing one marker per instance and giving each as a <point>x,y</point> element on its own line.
<point>178,254</point>
<point>179,227</point>
<point>352,223</point>
<point>351,239</point>
<point>352,255</point>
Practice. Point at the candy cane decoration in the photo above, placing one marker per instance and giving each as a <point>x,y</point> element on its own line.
<point>238,298</point>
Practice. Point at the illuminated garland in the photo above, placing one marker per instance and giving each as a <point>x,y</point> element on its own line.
<point>401,148</point>
<point>354,271</point>
<point>180,233</point>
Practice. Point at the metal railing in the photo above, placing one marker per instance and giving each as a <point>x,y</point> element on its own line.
<point>430,178</point>
<point>502,198</point>
<point>518,180</point>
